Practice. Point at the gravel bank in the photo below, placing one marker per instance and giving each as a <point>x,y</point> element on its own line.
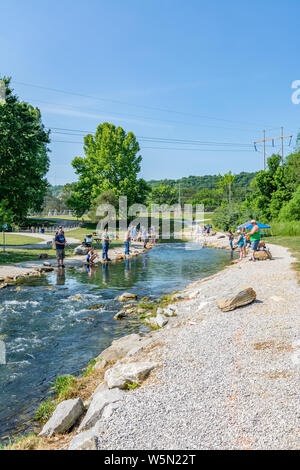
<point>228,380</point>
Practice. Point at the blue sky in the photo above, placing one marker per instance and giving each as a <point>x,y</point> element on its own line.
<point>195,71</point>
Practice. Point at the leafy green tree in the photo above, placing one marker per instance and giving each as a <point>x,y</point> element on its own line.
<point>163,195</point>
<point>23,156</point>
<point>111,162</point>
<point>291,209</point>
<point>226,184</point>
<point>108,197</point>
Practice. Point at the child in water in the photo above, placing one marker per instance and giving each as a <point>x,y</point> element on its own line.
<point>91,256</point>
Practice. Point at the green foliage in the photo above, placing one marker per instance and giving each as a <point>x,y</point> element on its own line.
<point>163,195</point>
<point>108,197</point>
<point>286,228</point>
<point>291,209</point>
<point>111,162</point>
<point>131,386</point>
<point>45,411</point>
<point>63,386</point>
<point>90,368</point>
<point>23,157</point>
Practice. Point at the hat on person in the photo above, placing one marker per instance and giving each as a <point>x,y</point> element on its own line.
<point>253,221</point>
<point>238,231</point>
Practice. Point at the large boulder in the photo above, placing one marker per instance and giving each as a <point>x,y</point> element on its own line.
<point>236,299</point>
<point>122,374</point>
<point>120,347</point>
<point>87,440</point>
<point>81,250</point>
<point>161,320</point>
<point>100,400</point>
<point>64,417</point>
<point>262,255</point>
<point>127,296</point>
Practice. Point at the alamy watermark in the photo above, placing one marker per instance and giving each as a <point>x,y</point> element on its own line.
<point>162,222</point>
<point>2,92</point>
<point>2,352</point>
<point>296,93</point>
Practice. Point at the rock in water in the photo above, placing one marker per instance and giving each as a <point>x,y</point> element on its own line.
<point>64,417</point>
<point>262,254</point>
<point>122,374</point>
<point>237,299</point>
<point>127,296</point>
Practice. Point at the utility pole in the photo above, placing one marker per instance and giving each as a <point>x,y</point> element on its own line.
<point>264,140</point>
<point>282,144</point>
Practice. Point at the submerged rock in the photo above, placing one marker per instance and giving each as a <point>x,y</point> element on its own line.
<point>237,299</point>
<point>127,296</point>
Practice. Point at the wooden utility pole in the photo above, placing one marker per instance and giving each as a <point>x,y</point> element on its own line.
<point>264,140</point>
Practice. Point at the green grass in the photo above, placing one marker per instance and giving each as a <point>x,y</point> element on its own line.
<point>19,240</point>
<point>45,411</point>
<point>292,243</point>
<point>64,386</point>
<point>90,368</point>
<point>285,229</point>
<point>13,256</point>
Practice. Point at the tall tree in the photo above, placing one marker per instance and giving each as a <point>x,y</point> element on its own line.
<point>111,162</point>
<point>23,156</point>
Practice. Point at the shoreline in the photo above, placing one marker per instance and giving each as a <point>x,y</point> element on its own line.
<point>245,358</point>
<point>193,308</point>
<point>11,273</point>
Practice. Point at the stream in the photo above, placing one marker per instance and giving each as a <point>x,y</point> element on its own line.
<point>48,329</point>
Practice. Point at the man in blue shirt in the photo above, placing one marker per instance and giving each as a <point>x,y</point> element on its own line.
<point>60,243</point>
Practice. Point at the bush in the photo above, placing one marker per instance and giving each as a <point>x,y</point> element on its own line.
<point>45,411</point>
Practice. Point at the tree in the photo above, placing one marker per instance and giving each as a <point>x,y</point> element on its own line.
<point>111,162</point>
<point>23,156</point>
<point>226,183</point>
<point>163,195</point>
<point>108,197</point>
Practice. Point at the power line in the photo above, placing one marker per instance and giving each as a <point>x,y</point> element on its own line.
<point>167,148</point>
<point>76,132</point>
<point>153,108</point>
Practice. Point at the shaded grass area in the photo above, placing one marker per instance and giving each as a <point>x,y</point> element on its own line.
<point>12,256</point>
<point>18,240</point>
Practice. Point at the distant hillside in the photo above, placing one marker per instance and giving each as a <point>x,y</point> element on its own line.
<point>242,180</point>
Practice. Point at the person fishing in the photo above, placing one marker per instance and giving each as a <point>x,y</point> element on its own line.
<point>231,238</point>
<point>105,245</point>
<point>240,244</point>
<point>60,243</point>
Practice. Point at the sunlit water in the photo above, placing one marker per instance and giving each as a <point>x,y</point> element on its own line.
<point>48,333</point>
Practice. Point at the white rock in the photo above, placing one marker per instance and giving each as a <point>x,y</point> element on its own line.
<point>161,320</point>
<point>109,409</point>
<point>121,374</point>
<point>64,417</point>
<point>99,402</point>
<point>120,347</point>
<point>86,440</point>
<point>81,250</point>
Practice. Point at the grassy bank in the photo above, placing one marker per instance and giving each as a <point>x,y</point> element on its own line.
<point>292,243</point>
<point>18,240</point>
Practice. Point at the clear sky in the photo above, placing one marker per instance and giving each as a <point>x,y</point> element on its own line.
<point>217,71</point>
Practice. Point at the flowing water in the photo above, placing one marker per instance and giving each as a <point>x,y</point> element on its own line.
<point>48,332</point>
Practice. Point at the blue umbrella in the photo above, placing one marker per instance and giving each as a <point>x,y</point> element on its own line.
<point>248,225</point>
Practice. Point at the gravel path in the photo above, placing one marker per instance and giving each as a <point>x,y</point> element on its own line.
<point>228,380</point>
